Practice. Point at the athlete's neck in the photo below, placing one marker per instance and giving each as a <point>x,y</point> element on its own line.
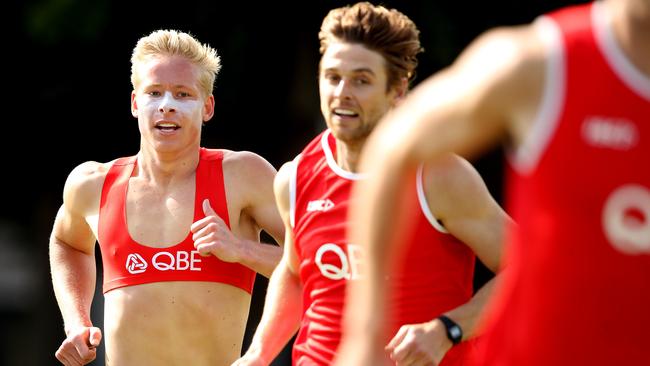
<point>164,168</point>
<point>348,155</point>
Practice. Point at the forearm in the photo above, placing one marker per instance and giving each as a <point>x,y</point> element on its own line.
<point>281,317</point>
<point>468,314</point>
<point>260,257</point>
<point>73,280</point>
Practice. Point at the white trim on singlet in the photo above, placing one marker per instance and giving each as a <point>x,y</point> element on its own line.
<point>613,54</point>
<point>422,199</point>
<point>329,157</point>
<point>526,157</point>
<point>293,173</point>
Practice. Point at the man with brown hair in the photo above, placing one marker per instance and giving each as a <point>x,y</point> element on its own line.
<point>368,58</point>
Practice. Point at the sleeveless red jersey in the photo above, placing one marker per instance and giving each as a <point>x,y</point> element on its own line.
<point>437,275</point>
<point>577,290</point>
<point>128,263</point>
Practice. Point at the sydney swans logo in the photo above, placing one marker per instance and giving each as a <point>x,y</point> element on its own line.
<point>135,263</point>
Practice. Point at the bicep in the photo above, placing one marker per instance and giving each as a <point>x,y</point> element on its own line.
<point>262,206</point>
<point>81,196</point>
<point>483,231</point>
<point>461,200</point>
<point>72,230</point>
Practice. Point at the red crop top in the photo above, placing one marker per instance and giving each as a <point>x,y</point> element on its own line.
<point>128,263</point>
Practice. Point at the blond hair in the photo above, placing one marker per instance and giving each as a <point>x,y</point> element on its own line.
<point>176,43</point>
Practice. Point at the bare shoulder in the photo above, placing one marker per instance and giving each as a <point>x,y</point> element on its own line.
<point>247,165</point>
<point>83,186</point>
<point>451,174</point>
<point>506,69</point>
<point>248,178</point>
<point>452,186</point>
<point>282,188</point>
<point>283,178</point>
<point>283,181</point>
<point>505,66</point>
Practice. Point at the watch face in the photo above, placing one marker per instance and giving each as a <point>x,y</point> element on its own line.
<point>455,332</point>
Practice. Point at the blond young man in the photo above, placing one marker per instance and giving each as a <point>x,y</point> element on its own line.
<point>178,226</point>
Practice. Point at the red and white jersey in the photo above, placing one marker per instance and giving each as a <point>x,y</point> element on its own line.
<point>436,275</point>
<point>577,289</point>
<point>127,262</point>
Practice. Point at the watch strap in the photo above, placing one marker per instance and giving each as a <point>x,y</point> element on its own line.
<point>454,332</point>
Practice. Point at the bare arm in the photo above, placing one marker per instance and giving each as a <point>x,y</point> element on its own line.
<point>72,262</point>
<point>458,197</point>
<point>264,212</point>
<point>260,257</point>
<point>469,213</point>
<point>252,177</point>
<point>281,317</point>
<point>466,108</point>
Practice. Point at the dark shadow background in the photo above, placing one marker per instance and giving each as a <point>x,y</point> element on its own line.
<point>67,90</point>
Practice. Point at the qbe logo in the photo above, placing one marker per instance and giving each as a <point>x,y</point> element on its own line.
<point>335,264</point>
<point>165,261</point>
<point>135,263</point>
<point>626,219</point>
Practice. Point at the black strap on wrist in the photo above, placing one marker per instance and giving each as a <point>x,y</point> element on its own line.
<point>454,332</point>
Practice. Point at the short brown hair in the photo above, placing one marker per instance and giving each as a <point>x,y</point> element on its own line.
<point>388,32</point>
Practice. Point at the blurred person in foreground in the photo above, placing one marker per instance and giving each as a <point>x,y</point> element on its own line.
<point>570,93</point>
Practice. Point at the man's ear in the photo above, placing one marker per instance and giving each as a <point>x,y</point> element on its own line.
<point>134,105</point>
<point>208,108</point>
<point>400,91</point>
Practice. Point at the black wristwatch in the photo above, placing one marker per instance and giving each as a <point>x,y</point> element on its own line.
<point>454,333</point>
